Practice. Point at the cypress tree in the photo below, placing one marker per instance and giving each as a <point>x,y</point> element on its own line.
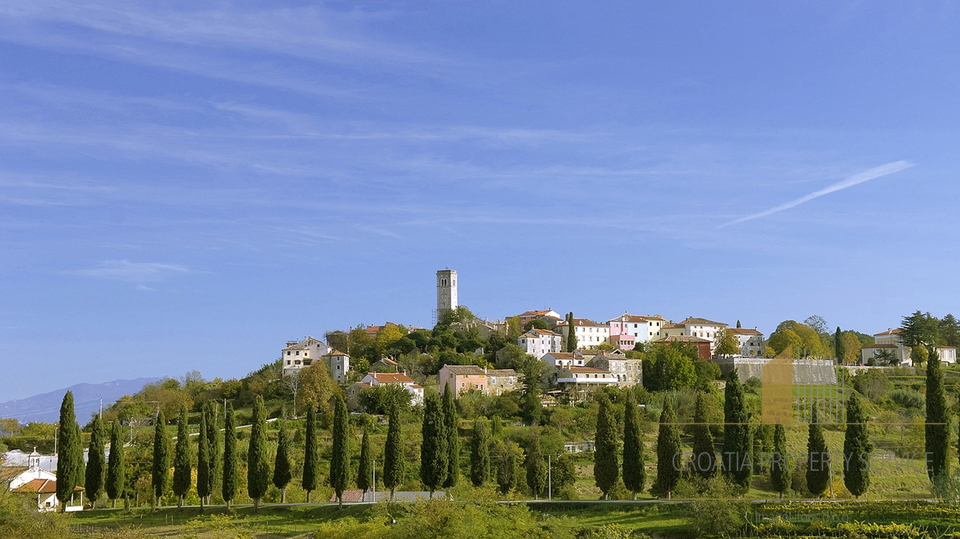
<point>838,345</point>
<point>779,470</point>
<point>856,449</point>
<point>340,459</point>
<point>937,427</point>
<point>393,461</point>
<point>571,340</point>
<point>216,448</point>
<point>231,479</point>
<point>311,455</point>
<point>818,458</point>
<point>116,474</point>
<point>160,478</point>
<point>258,459</point>
<point>737,442</point>
<point>606,466</point>
<point>282,473</point>
<point>704,456</point>
<point>451,422</point>
<point>96,463</point>
<point>182,459</point>
<point>480,453</point>
<point>434,453</point>
<point>204,477</point>
<point>634,473</point>
<point>365,471</point>
<point>69,453</point>
<point>668,447</point>
<point>506,466</point>
<point>536,468</point>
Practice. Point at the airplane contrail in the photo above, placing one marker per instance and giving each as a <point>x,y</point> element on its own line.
<point>865,176</point>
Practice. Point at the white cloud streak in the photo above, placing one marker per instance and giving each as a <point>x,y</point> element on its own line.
<point>135,272</point>
<point>865,176</point>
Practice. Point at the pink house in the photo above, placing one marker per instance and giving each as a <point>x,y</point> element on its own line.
<point>463,378</point>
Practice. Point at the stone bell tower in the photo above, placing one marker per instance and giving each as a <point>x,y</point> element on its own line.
<point>446,291</point>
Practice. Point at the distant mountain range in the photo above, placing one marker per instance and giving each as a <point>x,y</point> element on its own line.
<point>86,397</point>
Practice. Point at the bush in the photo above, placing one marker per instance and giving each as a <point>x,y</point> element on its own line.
<point>873,384</point>
<point>718,513</point>
<point>908,398</point>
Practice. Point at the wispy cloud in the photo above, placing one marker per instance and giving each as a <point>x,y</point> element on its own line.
<point>133,272</point>
<point>865,176</point>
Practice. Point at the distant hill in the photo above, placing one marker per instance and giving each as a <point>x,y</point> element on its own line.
<point>46,407</point>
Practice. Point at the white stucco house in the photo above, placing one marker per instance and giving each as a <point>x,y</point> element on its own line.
<point>589,334</point>
<point>750,341</point>
<point>695,327</point>
<point>41,485</point>
<point>627,329</point>
<point>538,342</point>
<point>299,354</point>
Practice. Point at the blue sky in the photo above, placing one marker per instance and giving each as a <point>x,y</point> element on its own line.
<point>186,186</point>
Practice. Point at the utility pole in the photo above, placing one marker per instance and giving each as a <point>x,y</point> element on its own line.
<point>374,487</point>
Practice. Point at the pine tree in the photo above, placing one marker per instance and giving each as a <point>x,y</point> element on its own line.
<point>856,449</point>
<point>365,471</point>
<point>536,468</point>
<point>160,478</point>
<point>779,471</point>
<point>634,473</point>
<point>116,474</point>
<point>393,460</point>
<point>704,454</point>
<point>182,459</point>
<point>480,453</point>
<point>216,448</point>
<point>96,463</point>
<point>340,460</point>
<point>606,465</point>
<point>668,447</point>
<point>937,427</point>
<point>818,457</point>
<point>311,455</point>
<point>451,422</point>
<point>204,476</point>
<point>838,345</point>
<point>737,442</point>
<point>231,474</point>
<point>434,453</point>
<point>70,470</point>
<point>282,472</point>
<point>258,458</point>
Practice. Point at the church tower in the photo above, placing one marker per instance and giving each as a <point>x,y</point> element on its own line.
<point>446,291</point>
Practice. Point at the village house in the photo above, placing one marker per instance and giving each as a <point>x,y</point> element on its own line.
<point>538,342</point>
<point>300,354</point>
<point>339,365</point>
<point>41,486</point>
<point>695,327</point>
<point>626,330</point>
<point>704,346</point>
<point>549,315</point>
<point>559,360</point>
<point>463,378</point>
<point>589,334</point>
<point>500,381</point>
<point>628,372</point>
<point>749,341</point>
<point>376,379</point>
<point>890,341</point>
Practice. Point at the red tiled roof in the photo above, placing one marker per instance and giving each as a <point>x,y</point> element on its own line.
<point>349,496</point>
<point>744,331</point>
<point>702,322</point>
<point>40,486</point>
<point>390,377</point>
<point>888,332</point>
